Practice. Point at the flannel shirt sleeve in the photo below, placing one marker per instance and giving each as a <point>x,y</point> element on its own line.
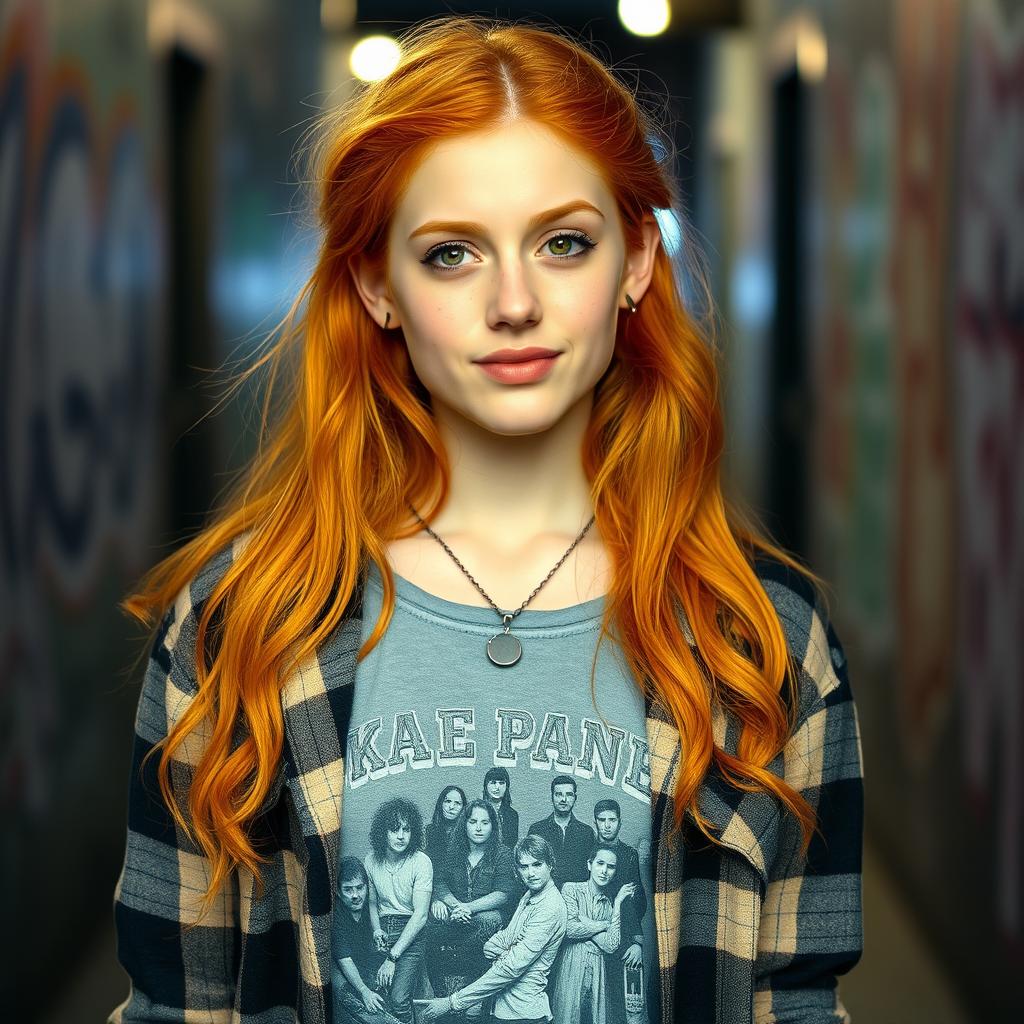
<point>810,928</point>
<point>177,973</point>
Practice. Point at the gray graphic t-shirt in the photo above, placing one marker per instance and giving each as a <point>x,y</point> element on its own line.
<point>495,833</point>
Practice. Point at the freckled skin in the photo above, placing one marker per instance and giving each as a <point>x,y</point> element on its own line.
<point>512,286</point>
<point>451,296</point>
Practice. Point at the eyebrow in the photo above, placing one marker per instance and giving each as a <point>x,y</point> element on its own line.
<point>469,227</point>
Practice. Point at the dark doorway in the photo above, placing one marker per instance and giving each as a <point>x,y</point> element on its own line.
<point>191,188</point>
<point>789,407</point>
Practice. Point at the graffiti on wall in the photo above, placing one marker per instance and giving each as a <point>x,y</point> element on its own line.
<point>78,351</point>
<point>868,300</point>
<point>989,361</point>
<point>854,351</point>
<point>925,49</point>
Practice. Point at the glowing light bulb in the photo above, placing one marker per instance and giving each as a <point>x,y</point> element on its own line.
<point>374,58</point>
<point>644,17</point>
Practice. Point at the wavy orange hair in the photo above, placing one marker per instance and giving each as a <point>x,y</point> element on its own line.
<point>353,441</point>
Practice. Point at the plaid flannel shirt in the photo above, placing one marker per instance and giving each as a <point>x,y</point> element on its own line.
<point>746,933</point>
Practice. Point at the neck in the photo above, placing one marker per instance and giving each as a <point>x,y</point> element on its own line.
<point>514,490</point>
<point>562,818</point>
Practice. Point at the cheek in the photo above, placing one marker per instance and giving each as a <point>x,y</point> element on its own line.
<point>591,317</point>
<point>428,352</point>
<point>433,324</point>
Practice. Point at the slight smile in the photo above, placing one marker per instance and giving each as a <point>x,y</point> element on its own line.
<point>524,371</point>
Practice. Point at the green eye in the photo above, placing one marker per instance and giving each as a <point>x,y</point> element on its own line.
<point>563,240</point>
<point>447,250</point>
<point>451,250</point>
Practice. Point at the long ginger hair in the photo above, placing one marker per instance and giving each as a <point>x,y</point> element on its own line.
<point>347,440</point>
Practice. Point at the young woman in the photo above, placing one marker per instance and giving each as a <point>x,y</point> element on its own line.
<point>401,881</point>
<point>498,790</point>
<point>474,896</point>
<point>445,821</point>
<point>485,527</point>
<point>593,930</point>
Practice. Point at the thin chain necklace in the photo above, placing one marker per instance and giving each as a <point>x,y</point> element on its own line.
<point>503,648</point>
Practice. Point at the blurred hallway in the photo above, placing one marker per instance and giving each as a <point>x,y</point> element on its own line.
<point>852,170</point>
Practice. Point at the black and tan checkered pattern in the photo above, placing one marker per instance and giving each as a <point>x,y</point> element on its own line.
<point>749,933</point>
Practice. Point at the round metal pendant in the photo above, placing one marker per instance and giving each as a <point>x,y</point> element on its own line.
<point>504,649</point>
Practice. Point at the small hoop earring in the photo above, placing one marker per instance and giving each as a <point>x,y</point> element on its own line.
<point>630,303</point>
<point>387,317</point>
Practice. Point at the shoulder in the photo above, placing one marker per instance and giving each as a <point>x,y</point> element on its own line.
<point>179,629</point>
<point>419,861</point>
<point>170,682</point>
<point>553,904</point>
<point>810,636</point>
<point>552,900</point>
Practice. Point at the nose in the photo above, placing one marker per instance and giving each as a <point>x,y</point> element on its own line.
<point>514,301</point>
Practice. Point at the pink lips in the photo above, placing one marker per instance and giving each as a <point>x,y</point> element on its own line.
<point>522,372</point>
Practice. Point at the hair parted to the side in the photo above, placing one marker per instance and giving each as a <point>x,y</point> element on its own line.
<point>352,440</point>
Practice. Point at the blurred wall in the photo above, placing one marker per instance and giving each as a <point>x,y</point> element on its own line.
<point>856,169</point>
<point>81,364</point>
<point>873,281</point>
<point>145,189</point>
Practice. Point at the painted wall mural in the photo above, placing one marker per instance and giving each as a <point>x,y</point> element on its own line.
<point>919,500</point>
<point>925,42</point>
<point>870,304</point>
<point>79,367</point>
<point>989,363</point>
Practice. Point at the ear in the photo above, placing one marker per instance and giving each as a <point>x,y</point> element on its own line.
<point>640,263</point>
<point>370,281</point>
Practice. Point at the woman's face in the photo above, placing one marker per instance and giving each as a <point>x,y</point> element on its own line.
<point>496,789</point>
<point>478,826</point>
<point>602,868</point>
<point>471,272</point>
<point>451,806</point>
